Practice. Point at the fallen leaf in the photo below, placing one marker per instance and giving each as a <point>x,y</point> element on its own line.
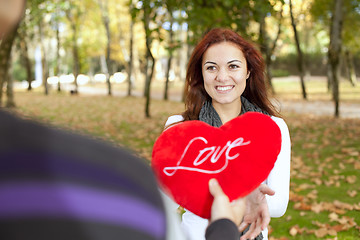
<point>293,231</point>
<point>302,206</point>
<point>321,232</point>
<point>317,207</point>
<point>333,217</point>
<point>302,213</point>
<point>351,179</point>
<point>352,193</point>
<point>341,166</point>
<point>317,181</point>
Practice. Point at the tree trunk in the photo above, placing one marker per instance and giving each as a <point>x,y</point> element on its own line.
<point>335,50</point>
<point>329,77</point>
<point>10,102</point>
<point>300,60</point>
<point>188,54</point>
<point>149,59</point>
<point>131,57</point>
<point>43,59</point>
<point>350,68</point>
<point>5,61</point>
<point>57,67</point>
<point>25,55</point>
<point>263,41</point>
<point>106,21</point>
<point>76,63</point>
<point>272,50</point>
<point>171,49</point>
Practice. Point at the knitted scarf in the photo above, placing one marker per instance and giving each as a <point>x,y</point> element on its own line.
<point>209,115</point>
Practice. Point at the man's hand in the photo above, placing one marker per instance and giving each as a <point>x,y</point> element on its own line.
<point>222,208</point>
<point>256,212</point>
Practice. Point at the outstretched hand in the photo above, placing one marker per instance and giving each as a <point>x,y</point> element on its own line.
<point>256,212</point>
<point>222,208</point>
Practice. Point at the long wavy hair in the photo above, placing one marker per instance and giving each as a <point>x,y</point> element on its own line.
<point>255,90</point>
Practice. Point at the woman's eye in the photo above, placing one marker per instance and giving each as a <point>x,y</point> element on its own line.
<point>233,66</point>
<point>211,68</point>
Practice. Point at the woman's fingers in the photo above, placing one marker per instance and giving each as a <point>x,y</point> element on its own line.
<point>265,219</point>
<point>249,232</point>
<point>243,226</point>
<point>265,189</point>
<point>215,188</point>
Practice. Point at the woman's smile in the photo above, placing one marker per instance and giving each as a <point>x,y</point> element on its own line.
<point>224,89</point>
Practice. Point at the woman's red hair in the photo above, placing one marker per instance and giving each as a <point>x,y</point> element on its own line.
<point>255,91</point>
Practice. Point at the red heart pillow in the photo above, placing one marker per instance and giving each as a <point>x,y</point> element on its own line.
<point>240,155</point>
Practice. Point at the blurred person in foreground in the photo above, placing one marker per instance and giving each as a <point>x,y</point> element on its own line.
<point>55,184</point>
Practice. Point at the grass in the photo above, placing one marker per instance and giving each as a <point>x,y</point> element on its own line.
<point>325,172</point>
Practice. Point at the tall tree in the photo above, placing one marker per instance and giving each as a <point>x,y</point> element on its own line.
<point>170,48</point>
<point>74,14</point>
<point>150,60</point>
<point>350,67</point>
<point>5,62</point>
<point>300,60</point>
<point>24,51</point>
<point>131,50</point>
<point>335,50</point>
<point>44,65</point>
<point>148,12</point>
<point>56,20</point>
<point>267,46</point>
<point>104,7</point>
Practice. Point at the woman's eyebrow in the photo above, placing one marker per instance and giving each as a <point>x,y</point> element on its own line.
<point>235,60</point>
<point>209,62</point>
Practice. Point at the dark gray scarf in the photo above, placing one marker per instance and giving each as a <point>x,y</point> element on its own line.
<point>209,115</point>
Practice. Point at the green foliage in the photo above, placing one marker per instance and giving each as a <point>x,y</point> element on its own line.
<point>18,71</point>
<point>321,11</point>
<point>280,73</point>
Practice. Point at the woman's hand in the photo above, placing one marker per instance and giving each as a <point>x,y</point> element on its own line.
<point>222,208</point>
<point>256,212</point>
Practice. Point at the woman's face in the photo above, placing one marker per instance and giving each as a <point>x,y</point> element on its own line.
<point>225,72</point>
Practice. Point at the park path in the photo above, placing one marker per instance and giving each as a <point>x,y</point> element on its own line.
<point>311,107</point>
<point>320,108</point>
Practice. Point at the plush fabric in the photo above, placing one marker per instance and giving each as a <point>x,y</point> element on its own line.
<point>240,154</point>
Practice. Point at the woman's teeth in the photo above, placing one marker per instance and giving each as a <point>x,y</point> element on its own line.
<point>224,88</point>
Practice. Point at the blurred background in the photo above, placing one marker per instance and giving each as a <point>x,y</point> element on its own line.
<point>122,47</point>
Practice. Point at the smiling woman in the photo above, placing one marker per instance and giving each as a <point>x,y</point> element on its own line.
<point>226,78</point>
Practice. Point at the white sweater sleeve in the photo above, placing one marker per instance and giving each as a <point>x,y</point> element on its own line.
<point>173,119</point>
<point>171,205</point>
<point>279,177</point>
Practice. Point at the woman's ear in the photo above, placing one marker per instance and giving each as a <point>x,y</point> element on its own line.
<point>248,75</point>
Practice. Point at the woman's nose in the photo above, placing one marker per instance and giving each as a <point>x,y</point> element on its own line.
<point>222,75</point>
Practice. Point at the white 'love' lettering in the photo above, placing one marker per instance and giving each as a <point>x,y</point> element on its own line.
<point>213,152</point>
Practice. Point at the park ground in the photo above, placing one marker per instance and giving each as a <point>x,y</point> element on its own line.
<point>325,166</point>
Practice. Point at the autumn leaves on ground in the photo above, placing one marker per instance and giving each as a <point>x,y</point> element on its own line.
<point>325,173</point>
